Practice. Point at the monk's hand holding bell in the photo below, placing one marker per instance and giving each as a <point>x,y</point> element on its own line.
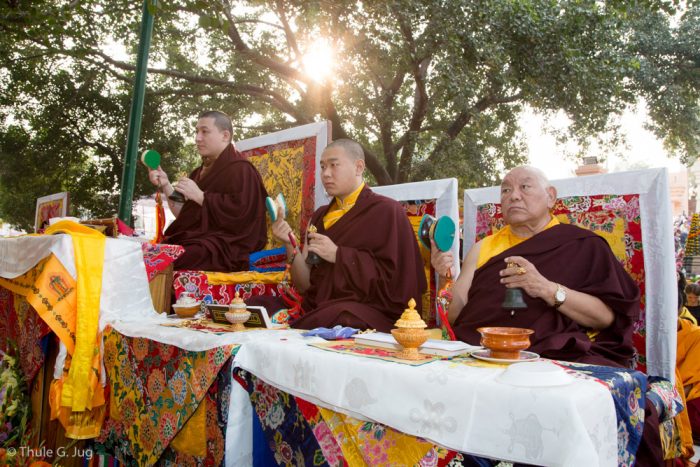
<point>519,272</point>
<point>322,246</point>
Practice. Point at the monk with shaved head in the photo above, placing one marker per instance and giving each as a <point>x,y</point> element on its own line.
<point>581,302</point>
<point>370,265</point>
<point>573,284</point>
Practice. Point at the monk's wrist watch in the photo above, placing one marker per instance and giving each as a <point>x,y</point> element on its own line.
<point>559,296</point>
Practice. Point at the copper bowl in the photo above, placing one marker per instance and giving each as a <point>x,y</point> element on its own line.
<point>505,343</point>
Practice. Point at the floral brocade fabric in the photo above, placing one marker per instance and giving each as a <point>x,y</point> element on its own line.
<point>22,327</point>
<point>158,257</point>
<point>299,432</point>
<point>157,391</point>
<point>196,283</point>
<point>288,168</point>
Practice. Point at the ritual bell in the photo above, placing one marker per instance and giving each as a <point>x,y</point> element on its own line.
<point>313,259</point>
<point>514,300</point>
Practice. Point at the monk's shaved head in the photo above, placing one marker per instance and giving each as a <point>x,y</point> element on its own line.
<point>526,200</point>
<point>351,148</point>
<point>538,174</point>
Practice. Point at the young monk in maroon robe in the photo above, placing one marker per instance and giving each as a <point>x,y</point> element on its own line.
<point>223,217</point>
<point>371,265</point>
<point>581,303</point>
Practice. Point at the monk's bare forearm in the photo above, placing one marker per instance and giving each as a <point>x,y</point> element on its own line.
<point>300,270</point>
<point>460,288</point>
<point>584,309</point>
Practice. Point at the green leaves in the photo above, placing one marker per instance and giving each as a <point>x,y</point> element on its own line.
<point>431,89</point>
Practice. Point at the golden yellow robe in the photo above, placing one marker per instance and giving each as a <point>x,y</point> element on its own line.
<point>501,241</point>
<point>340,207</point>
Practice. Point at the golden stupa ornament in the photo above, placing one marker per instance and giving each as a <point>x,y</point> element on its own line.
<point>237,313</point>
<point>410,332</point>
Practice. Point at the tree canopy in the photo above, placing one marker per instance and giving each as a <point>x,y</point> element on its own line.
<point>430,89</point>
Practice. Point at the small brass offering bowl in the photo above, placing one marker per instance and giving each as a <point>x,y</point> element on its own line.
<point>504,342</point>
<point>186,311</point>
<point>410,340</point>
<point>410,332</point>
<point>237,318</point>
<point>237,313</point>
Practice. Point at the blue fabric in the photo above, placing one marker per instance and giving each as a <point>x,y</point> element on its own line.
<point>268,260</point>
<point>262,454</point>
<point>665,398</point>
<point>331,334</point>
<point>628,389</point>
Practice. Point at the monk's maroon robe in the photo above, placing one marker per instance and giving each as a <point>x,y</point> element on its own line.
<point>378,268</point>
<point>578,259</point>
<point>230,224</point>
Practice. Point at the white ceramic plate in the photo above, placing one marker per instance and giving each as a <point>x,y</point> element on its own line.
<point>541,373</point>
<point>485,355</point>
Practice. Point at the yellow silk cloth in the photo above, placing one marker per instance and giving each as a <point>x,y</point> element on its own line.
<point>682,444</point>
<point>502,240</point>
<point>685,314</point>
<point>83,377</point>
<point>396,448</point>
<point>687,377</point>
<point>51,291</point>
<point>688,357</point>
<point>340,207</point>
<point>192,439</point>
<point>71,310</point>
<point>78,425</point>
<point>245,276</point>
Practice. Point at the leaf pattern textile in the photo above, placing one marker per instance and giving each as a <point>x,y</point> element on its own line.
<point>154,389</point>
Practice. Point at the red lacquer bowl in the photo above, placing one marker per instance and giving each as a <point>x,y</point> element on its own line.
<point>505,342</point>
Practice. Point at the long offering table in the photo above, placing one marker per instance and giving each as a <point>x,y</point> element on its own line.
<point>175,382</point>
<point>460,404</point>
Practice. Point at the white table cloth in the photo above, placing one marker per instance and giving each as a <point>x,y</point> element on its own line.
<point>458,406</point>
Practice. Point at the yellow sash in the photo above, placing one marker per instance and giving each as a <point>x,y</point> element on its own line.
<point>51,291</point>
<point>685,314</point>
<point>83,377</point>
<point>341,207</point>
<point>71,309</point>
<point>502,240</point>
<point>245,276</point>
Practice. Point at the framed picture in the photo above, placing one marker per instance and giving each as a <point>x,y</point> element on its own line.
<point>55,205</point>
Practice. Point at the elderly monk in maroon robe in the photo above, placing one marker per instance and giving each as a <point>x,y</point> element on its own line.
<point>581,303</point>
<point>222,219</point>
<point>371,266</point>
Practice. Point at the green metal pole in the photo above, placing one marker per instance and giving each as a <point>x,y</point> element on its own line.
<point>132,139</point>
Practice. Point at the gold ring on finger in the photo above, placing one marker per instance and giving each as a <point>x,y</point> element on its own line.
<point>521,271</point>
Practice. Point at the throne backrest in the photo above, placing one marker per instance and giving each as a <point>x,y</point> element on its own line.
<point>632,211</point>
<point>437,198</point>
<point>287,161</point>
